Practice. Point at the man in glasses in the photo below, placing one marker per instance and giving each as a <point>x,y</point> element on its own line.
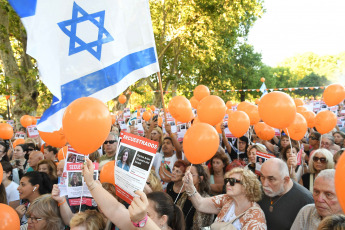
<point>326,202</point>
<point>109,147</point>
<point>283,198</point>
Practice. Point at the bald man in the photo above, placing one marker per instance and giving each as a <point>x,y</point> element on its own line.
<point>34,158</point>
<point>283,198</point>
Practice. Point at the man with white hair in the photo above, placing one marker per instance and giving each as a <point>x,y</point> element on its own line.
<point>283,197</point>
<point>326,203</point>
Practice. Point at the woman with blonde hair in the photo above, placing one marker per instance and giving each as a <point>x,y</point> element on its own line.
<point>44,214</point>
<point>237,209</point>
<point>88,220</point>
<point>153,184</point>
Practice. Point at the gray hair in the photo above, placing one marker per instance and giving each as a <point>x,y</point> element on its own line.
<point>114,135</point>
<point>327,154</point>
<point>282,166</point>
<point>329,137</point>
<point>328,174</point>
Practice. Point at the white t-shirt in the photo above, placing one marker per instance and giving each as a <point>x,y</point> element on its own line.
<point>12,192</point>
<point>159,160</point>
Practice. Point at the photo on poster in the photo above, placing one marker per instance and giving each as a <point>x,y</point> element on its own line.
<point>75,179</point>
<point>125,157</point>
<point>72,158</point>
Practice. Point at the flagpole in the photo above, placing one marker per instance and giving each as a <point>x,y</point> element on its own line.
<point>161,88</point>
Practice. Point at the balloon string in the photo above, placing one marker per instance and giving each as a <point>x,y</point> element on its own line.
<point>182,186</point>
<point>238,148</point>
<point>320,141</point>
<point>82,191</point>
<point>290,147</point>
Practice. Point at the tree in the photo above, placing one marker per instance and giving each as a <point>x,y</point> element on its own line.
<point>312,80</point>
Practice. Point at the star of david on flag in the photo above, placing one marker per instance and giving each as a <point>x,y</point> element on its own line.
<point>87,48</point>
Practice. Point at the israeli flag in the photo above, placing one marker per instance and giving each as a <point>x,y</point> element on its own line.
<point>87,48</point>
<point>263,89</point>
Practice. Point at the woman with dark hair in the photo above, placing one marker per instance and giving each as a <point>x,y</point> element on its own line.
<point>32,185</point>
<point>48,167</point>
<point>167,213</point>
<point>236,151</point>
<point>3,152</point>
<point>19,158</point>
<point>219,162</point>
<point>11,187</point>
<point>124,159</point>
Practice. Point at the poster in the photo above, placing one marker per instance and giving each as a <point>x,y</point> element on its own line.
<point>181,130</point>
<point>260,159</point>
<point>126,113</point>
<point>10,122</point>
<point>227,132</point>
<point>134,159</point>
<point>122,124</point>
<point>19,135</point>
<point>32,131</point>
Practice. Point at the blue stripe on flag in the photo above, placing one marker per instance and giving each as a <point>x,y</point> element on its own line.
<point>24,8</point>
<point>101,79</point>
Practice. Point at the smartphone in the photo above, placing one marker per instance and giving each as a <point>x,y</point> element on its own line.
<point>155,118</point>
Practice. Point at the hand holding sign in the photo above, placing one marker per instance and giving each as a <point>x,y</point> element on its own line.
<point>88,169</point>
<point>138,208</point>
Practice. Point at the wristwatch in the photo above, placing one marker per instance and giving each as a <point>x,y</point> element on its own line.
<point>141,223</point>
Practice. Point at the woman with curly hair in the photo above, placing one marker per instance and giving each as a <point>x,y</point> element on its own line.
<point>237,209</point>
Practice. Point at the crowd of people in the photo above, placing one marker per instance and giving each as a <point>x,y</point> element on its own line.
<point>233,190</point>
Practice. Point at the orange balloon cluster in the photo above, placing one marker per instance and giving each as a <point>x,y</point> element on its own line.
<point>6,131</point>
<point>86,124</point>
<point>147,115</point>
<point>122,99</point>
<point>200,143</point>
<point>339,181</point>
<point>229,104</point>
<point>26,120</point>
<point>301,109</point>
<point>264,131</point>
<point>56,139</point>
<point>325,121</point>
<point>277,109</point>
<point>238,123</point>
<point>181,109</point>
<point>334,94</point>
<point>153,108</point>
<point>211,110</point>
<point>107,173</point>
<point>160,121</point>
<point>9,218</point>
<point>298,128</point>
<point>310,118</point>
<point>251,110</point>
<point>298,102</point>
<point>200,92</point>
<point>62,153</point>
<point>194,102</point>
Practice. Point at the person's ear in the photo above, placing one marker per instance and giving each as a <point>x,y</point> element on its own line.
<point>163,220</point>
<point>286,179</point>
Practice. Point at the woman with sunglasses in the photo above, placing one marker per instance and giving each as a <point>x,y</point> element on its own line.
<point>237,209</point>
<point>320,160</point>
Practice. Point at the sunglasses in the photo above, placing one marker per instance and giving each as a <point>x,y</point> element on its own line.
<point>232,181</point>
<point>314,138</point>
<point>322,159</point>
<point>109,142</point>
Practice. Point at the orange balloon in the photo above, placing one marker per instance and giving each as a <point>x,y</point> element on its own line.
<point>325,121</point>
<point>298,102</point>
<point>264,131</point>
<point>334,94</point>
<point>153,108</point>
<point>200,143</point>
<point>34,120</point>
<point>138,113</point>
<point>18,142</point>
<point>310,118</point>
<point>107,173</point>
<point>229,104</point>
<point>181,109</point>
<point>200,92</point>
<point>86,124</point>
<point>196,120</point>
<point>1,173</point>
<point>56,139</point>
<point>298,128</point>
<point>113,118</point>
<point>211,110</point>
<point>339,181</point>
<point>122,99</point>
<point>257,101</point>
<point>253,114</point>
<point>147,115</point>
<point>160,121</point>
<point>229,111</point>
<point>6,131</point>
<point>277,109</point>
<point>9,218</point>
<point>262,79</point>
<point>62,153</point>
<point>243,106</point>
<point>194,102</point>
<point>218,127</point>
<point>301,109</point>
<point>26,121</point>
<point>238,123</point>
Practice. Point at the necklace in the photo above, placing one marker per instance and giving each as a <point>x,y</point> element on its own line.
<point>273,203</point>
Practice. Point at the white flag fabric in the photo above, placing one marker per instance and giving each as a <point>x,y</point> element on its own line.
<point>87,48</point>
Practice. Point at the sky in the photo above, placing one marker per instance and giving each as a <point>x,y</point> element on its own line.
<point>291,27</point>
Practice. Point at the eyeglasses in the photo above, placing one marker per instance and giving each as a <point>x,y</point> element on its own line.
<point>34,219</point>
<point>109,142</point>
<point>314,138</point>
<point>232,181</point>
<point>322,159</point>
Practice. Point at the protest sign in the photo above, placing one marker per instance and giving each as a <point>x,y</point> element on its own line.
<point>10,122</point>
<point>19,135</point>
<point>122,124</point>
<point>126,113</point>
<point>32,131</point>
<point>181,130</point>
<point>260,159</point>
<point>134,159</point>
